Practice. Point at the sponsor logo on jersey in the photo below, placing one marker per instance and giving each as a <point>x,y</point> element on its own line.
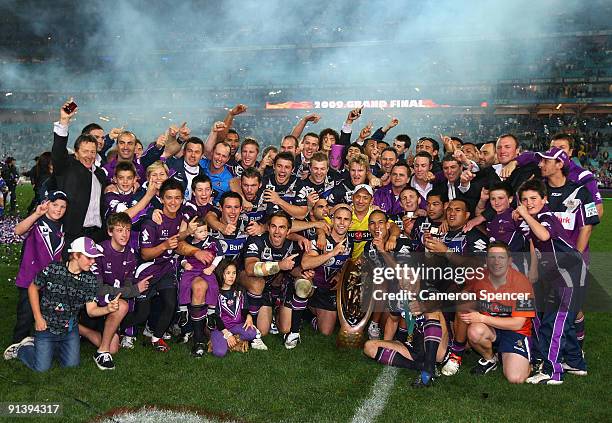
<point>590,210</point>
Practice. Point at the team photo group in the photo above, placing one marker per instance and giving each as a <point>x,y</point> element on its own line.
<point>213,241</point>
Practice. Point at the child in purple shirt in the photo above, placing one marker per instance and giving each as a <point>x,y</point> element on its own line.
<point>43,243</point>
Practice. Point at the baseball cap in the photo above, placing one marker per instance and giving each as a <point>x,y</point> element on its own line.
<point>85,246</point>
<point>57,195</point>
<point>555,153</point>
<point>366,187</point>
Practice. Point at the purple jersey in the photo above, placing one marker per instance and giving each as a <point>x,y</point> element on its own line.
<point>232,307</point>
<point>387,200</point>
<point>191,209</point>
<point>117,203</point>
<point>325,273</point>
<point>152,235</point>
<point>209,244</point>
<point>557,254</point>
<point>504,228</point>
<point>575,209</point>
<point>576,174</point>
<point>43,244</point>
<point>115,268</point>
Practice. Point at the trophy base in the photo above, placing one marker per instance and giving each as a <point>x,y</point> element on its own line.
<point>352,340</point>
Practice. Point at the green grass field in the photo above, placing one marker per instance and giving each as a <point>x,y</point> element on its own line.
<point>314,382</point>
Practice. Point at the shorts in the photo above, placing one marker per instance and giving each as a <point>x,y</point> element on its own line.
<point>416,347</point>
<point>508,341</point>
<point>323,298</point>
<point>166,281</point>
<point>212,293</point>
<point>93,323</point>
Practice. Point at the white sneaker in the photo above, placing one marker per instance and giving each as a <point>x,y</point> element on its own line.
<point>291,340</point>
<point>373,331</point>
<point>149,333</point>
<point>572,370</point>
<point>127,342</point>
<point>11,351</point>
<point>258,344</point>
<point>273,329</point>
<point>542,379</point>
<point>451,367</point>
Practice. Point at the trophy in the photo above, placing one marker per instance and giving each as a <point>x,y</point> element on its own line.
<point>351,298</point>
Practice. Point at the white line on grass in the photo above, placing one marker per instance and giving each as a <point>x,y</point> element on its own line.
<point>375,403</point>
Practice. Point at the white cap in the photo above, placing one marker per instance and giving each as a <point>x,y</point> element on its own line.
<point>85,246</point>
<point>364,186</point>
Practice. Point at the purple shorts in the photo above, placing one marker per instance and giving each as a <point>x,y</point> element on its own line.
<point>212,293</point>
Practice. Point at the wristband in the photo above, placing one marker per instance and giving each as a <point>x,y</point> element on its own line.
<point>266,268</point>
<point>216,261</point>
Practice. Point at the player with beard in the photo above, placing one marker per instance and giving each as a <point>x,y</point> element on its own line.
<point>268,259</point>
<point>328,265</point>
<point>249,150</point>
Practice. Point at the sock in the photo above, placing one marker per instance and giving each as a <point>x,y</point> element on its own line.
<point>433,334</point>
<point>579,323</point>
<point>457,348</point>
<point>197,315</point>
<point>390,357</point>
<point>211,318</point>
<point>315,323</point>
<point>255,301</point>
<point>401,334</point>
<point>298,304</point>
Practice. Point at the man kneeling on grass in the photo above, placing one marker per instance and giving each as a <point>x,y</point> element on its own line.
<point>502,323</point>
<point>67,288</point>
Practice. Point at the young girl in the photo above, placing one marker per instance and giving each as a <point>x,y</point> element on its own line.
<point>198,288</point>
<point>232,314</point>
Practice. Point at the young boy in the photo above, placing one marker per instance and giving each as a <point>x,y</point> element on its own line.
<point>57,295</point>
<point>158,260</point>
<point>115,273</point>
<point>198,288</point>
<point>43,243</point>
<point>562,275</point>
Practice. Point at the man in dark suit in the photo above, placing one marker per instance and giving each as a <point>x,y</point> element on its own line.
<point>80,179</point>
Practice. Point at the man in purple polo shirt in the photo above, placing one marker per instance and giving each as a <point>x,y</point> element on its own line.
<point>388,197</point>
<point>43,243</point>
